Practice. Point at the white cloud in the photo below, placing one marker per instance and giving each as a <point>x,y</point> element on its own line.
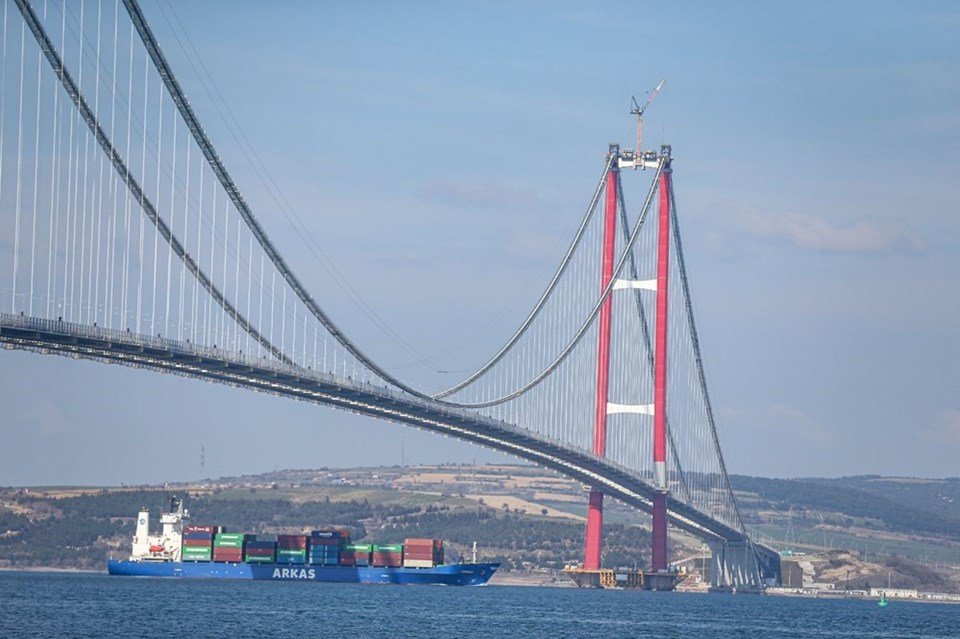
<point>43,418</point>
<point>948,431</point>
<point>812,232</point>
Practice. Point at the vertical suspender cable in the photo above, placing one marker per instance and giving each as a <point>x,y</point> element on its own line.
<point>54,194</point>
<point>156,236</point>
<point>82,186</point>
<point>3,102</point>
<point>125,273</point>
<point>186,243</point>
<point>16,226</point>
<point>114,191</point>
<point>194,327</point>
<point>36,187</point>
<point>224,329</point>
<point>211,321</point>
<point>132,185</point>
<point>96,271</point>
<point>173,209</point>
<point>143,173</point>
<point>236,285</point>
<point>701,375</point>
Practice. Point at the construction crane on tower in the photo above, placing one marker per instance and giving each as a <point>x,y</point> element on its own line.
<point>638,110</point>
<point>640,157</point>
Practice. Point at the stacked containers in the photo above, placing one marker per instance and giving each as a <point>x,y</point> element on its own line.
<point>228,547</point>
<point>386,556</point>
<point>260,550</point>
<point>197,543</point>
<point>422,553</point>
<point>325,546</point>
<point>291,549</point>
<point>356,555</point>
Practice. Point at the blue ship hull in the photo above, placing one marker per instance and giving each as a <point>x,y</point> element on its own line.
<point>446,575</point>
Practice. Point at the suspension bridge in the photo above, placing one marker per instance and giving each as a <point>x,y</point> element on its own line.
<point>124,239</point>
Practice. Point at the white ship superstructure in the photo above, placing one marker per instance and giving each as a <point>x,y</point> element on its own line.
<point>164,546</point>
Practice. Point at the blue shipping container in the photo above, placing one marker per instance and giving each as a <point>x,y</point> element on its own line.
<point>198,535</point>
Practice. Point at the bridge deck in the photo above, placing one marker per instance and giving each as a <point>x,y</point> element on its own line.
<point>189,360</point>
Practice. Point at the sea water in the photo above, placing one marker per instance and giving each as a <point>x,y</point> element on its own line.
<point>92,605</point>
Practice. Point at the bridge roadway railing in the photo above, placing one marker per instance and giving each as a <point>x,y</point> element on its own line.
<point>243,370</point>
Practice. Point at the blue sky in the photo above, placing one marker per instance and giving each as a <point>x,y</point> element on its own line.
<point>441,154</point>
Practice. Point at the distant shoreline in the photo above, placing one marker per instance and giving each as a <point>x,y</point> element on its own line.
<point>56,569</point>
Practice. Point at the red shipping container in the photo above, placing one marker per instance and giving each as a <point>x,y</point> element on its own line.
<point>260,552</point>
<point>419,541</point>
<point>386,563</point>
<point>194,528</point>
<point>386,559</point>
<point>228,554</point>
<point>291,541</point>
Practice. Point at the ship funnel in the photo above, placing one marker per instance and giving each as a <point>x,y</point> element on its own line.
<point>143,527</point>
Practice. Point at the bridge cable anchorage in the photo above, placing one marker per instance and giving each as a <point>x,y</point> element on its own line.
<point>70,86</point>
<point>585,326</point>
<point>538,307</point>
<point>206,147</point>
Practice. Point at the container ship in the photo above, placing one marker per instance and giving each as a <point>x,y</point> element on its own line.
<point>210,552</point>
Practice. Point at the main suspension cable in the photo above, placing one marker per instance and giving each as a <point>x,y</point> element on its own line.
<point>685,284</point>
<point>546,294</point>
<point>53,58</point>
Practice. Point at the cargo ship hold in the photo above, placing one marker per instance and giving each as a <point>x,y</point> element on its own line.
<point>210,552</point>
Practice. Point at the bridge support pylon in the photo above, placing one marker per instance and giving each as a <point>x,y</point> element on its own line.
<point>591,554</point>
<point>658,559</point>
<point>742,565</point>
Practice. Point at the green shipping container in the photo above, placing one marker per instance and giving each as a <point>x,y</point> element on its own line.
<point>394,548</point>
<point>258,559</point>
<point>359,547</point>
<point>291,552</point>
<point>235,536</point>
